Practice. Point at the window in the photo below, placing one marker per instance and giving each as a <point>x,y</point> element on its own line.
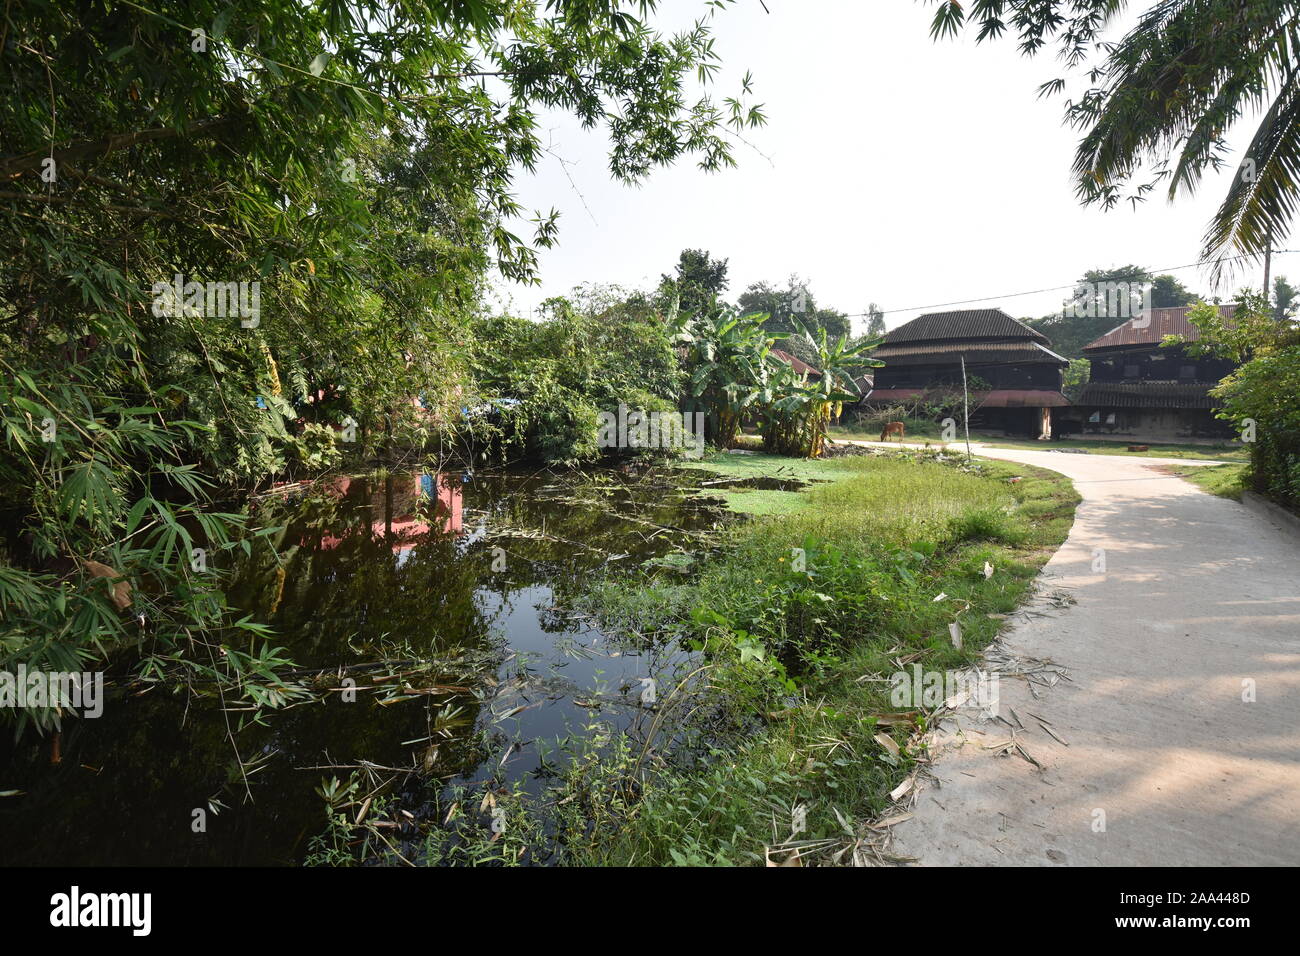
<point>1130,371</point>
<point>1187,371</point>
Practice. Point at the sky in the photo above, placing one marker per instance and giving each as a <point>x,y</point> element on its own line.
<point>893,169</point>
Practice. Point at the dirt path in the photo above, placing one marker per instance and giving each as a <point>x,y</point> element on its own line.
<point>1197,597</point>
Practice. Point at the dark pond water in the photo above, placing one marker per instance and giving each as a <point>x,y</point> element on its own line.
<point>445,599</point>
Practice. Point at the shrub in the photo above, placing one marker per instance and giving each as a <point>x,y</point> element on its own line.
<point>1263,395</point>
<point>987,524</point>
<point>317,448</point>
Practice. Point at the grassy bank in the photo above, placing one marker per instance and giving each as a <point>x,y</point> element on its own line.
<point>1226,481</point>
<point>801,618</point>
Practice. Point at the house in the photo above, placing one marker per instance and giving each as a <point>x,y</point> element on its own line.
<point>1139,388</point>
<point>799,365</point>
<point>862,382</point>
<point>1013,378</point>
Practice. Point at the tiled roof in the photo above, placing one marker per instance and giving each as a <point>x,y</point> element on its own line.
<point>1152,328</point>
<point>798,364</point>
<point>1157,394</point>
<point>864,383</point>
<point>975,353</point>
<point>964,324</point>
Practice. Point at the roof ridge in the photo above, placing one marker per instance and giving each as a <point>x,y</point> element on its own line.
<point>957,324</point>
<point>1050,352</point>
<point>1173,319</point>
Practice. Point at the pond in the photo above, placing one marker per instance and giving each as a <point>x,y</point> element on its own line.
<point>431,616</point>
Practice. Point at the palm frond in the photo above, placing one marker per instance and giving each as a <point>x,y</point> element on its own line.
<point>1262,200</point>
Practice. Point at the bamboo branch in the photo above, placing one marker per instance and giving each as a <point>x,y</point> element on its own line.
<point>13,166</point>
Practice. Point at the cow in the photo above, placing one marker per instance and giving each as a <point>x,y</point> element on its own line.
<point>892,428</point>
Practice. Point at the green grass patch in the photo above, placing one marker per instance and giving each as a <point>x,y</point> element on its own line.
<point>1226,481</point>
<point>761,502</point>
<point>764,467</point>
<point>800,619</point>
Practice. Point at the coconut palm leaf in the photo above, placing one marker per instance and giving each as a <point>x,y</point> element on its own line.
<point>1161,102</point>
<point>1259,208</point>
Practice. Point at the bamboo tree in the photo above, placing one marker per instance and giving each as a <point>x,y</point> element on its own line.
<point>354,159</point>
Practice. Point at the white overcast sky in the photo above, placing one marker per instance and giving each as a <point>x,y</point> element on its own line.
<point>893,169</point>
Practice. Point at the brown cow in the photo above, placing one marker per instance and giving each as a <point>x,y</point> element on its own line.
<point>892,428</point>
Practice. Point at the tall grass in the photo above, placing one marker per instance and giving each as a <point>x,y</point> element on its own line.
<point>798,621</point>
<point>801,618</point>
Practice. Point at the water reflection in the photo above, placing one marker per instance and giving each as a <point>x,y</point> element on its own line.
<point>412,506</point>
<point>440,597</point>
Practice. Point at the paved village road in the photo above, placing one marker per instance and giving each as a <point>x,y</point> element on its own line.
<point>1199,596</point>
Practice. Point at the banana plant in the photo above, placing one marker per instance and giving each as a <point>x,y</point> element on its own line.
<point>799,409</point>
<point>727,355</point>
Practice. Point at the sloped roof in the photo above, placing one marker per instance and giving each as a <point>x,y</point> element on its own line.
<point>997,398</point>
<point>1024,351</point>
<point>964,324</point>
<point>1151,394</point>
<point>1152,328</point>
<point>798,364</point>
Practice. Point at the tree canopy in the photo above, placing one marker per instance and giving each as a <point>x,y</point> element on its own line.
<point>1071,329</point>
<point>327,187</point>
<point>697,281</point>
<point>789,309</point>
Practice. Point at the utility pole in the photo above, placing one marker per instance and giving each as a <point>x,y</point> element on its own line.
<point>1268,260</point>
<point>965,407</point>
